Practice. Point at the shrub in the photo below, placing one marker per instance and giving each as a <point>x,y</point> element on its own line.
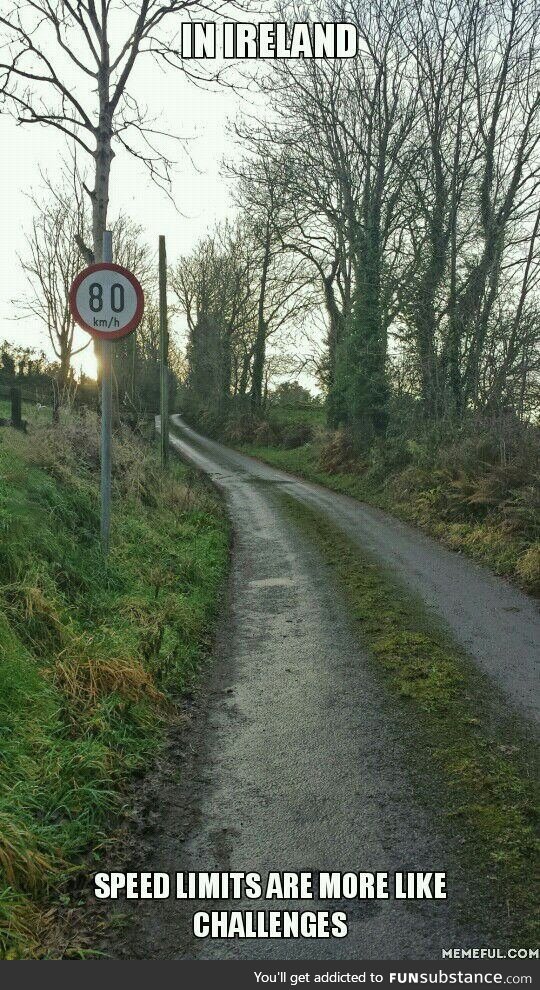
<point>265,434</point>
<point>337,454</point>
<point>528,566</point>
<point>296,435</point>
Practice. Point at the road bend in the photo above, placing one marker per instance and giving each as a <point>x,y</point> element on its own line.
<point>301,763</point>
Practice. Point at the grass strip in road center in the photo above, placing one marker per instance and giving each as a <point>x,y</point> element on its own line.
<point>460,732</point>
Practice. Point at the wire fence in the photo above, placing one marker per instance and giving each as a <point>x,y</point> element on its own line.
<point>30,395</point>
<point>18,396</point>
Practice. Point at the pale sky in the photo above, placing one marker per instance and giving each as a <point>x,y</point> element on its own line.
<point>200,193</point>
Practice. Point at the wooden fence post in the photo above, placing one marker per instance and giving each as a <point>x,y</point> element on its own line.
<point>16,407</point>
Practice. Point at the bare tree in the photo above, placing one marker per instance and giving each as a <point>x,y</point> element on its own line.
<point>282,289</point>
<point>338,138</point>
<point>69,64</point>
<point>50,263</point>
<point>238,290</point>
<point>214,293</point>
<point>472,224</point>
<point>407,181</point>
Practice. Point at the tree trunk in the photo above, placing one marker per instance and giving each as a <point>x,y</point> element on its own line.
<point>244,375</point>
<point>258,365</point>
<point>366,345</point>
<point>335,412</point>
<point>259,350</point>
<point>226,374</point>
<point>103,156</point>
<point>431,277</point>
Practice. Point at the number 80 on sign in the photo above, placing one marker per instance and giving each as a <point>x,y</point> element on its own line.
<point>107,301</point>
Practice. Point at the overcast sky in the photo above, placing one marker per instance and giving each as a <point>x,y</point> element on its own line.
<point>200,193</point>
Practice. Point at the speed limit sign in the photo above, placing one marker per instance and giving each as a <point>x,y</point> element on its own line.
<point>107,301</point>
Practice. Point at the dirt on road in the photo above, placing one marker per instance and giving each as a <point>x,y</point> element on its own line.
<point>497,624</point>
<point>296,761</point>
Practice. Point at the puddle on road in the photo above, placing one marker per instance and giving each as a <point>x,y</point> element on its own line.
<point>274,582</point>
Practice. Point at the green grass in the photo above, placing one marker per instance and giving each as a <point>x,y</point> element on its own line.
<point>507,551</point>
<point>304,462</point>
<point>91,650</point>
<point>484,769</point>
<point>283,415</point>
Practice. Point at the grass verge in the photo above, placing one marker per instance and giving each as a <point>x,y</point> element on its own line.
<point>92,651</point>
<point>483,765</point>
<point>504,550</point>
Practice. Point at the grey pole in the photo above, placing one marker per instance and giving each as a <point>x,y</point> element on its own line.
<point>106,418</point>
<point>164,353</point>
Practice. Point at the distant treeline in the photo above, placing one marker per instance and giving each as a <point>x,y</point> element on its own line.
<point>50,262</point>
<point>38,378</point>
<point>41,381</point>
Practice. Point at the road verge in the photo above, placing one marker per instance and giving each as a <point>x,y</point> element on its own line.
<point>483,762</point>
<point>93,651</point>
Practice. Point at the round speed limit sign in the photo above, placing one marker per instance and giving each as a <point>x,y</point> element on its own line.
<point>107,301</point>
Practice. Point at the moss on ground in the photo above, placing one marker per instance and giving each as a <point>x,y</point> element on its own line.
<point>491,541</point>
<point>92,651</point>
<point>484,767</point>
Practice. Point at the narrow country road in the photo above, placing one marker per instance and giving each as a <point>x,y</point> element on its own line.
<point>299,764</point>
<point>497,624</point>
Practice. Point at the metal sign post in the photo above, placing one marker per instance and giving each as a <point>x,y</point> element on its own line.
<point>164,353</point>
<point>107,301</point>
<point>106,417</point>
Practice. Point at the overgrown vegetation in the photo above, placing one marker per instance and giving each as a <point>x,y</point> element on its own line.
<point>39,381</point>
<point>475,485</point>
<point>91,651</point>
<point>486,790</point>
<point>410,237</point>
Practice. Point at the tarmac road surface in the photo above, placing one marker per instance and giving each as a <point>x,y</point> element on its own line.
<point>299,762</point>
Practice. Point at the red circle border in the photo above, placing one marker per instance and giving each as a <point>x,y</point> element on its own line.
<point>107,334</point>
